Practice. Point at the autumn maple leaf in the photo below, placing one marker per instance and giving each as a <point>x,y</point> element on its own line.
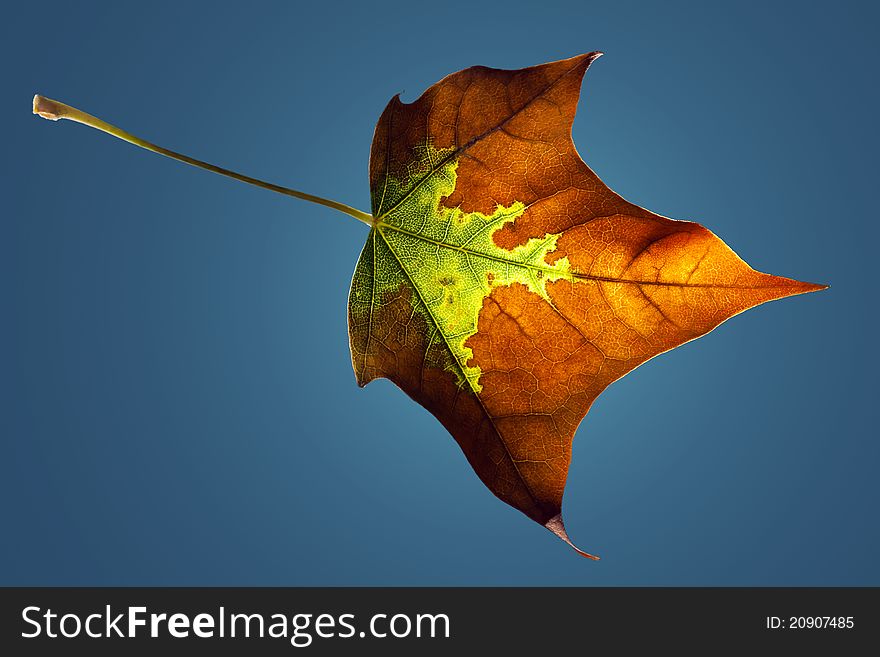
<point>503,286</point>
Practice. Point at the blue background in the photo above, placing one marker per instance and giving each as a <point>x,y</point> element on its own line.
<point>178,405</point>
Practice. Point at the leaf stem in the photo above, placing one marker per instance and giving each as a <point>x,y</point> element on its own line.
<point>54,110</point>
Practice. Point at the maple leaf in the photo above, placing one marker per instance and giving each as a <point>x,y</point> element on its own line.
<point>502,285</point>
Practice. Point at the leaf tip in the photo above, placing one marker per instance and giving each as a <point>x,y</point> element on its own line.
<point>590,57</point>
<point>556,526</point>
<point>804,288</point>
<point>46,108</point>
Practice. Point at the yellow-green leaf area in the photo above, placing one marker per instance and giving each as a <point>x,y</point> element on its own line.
<point>446,257</point>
